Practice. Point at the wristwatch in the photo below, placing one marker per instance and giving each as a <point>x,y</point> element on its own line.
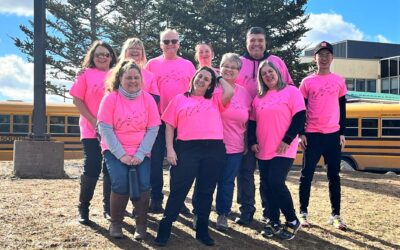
<point>218,78</point>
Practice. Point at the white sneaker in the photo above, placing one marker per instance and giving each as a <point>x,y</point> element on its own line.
<point>303,218</point>
<point>337,222</point>
<point>222,222</point>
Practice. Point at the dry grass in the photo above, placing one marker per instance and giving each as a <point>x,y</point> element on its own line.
<point>38,214</point>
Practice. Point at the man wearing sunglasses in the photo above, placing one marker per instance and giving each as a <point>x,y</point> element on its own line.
<point>173,74</point>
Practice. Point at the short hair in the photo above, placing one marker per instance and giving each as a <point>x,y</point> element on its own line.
<point>168,30</point>
<point>210,91</point>
<point>262,88</point>
<point>113,81</point>
<point>232,57</point>
<point>88,61</point>
<point>130,42</point>
<point>256,30</point>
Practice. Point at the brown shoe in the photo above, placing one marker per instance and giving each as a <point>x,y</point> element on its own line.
<point>141,210</point>
<point>118,204</point>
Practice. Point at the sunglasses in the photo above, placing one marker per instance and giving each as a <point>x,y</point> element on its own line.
<point>107,55</point>
<point>173,41</point>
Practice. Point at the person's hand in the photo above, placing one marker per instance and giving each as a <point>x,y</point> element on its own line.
<point>342,142</point>
<point>171,157</point>
<point>303,141</point>
<point>255,148</point>
<point>135,161</point>
<point>126,159</point>
<point>282,148</point>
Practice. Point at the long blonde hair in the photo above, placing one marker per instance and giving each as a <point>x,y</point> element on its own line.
<point>130,42</point>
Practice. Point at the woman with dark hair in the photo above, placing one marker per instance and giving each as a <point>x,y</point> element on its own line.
<point>199,152</point>
<point>128,124</point>
<point>277,117</point>
<point>87,92</point>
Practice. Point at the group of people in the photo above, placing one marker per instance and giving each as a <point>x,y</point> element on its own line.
<point>214,125</point>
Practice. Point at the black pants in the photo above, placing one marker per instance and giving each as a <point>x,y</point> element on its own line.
<point>93,161</point>
<point>273,174</point>
<point>202,160</point>
<point>327,145</point>
<point>157,159</point>
<point>246,188</point>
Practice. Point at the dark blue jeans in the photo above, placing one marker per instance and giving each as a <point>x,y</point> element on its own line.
<point>93,159</point>
<point>202,160</point>
<point>157,159</point>
<point>273,174</point>
<point>327,145</point>
<point>226,183</point>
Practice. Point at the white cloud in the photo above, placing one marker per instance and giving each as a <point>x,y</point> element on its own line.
<point>16,80</point>
<point>17,7</point>
<point>380,38</point>
<point>330,27</point>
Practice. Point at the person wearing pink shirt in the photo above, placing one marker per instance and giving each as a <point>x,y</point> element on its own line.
<point>278,115</point>
<point>199,151</point>
<point>255,54</point>
<point>128,124</point>
<point>325,95</point>
<point>133,48</point>
<point>173,74</point>
<point>87,92</point>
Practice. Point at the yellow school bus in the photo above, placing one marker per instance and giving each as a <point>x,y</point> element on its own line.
<point>372,137</point>
<point>62,123</point>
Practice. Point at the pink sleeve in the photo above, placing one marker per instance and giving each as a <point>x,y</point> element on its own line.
<point>297,102</point>
<point>343,88</point>
<point>170,115</point>
<point>106,110</point>
<point>154,117</point>
<point>303,90</point>
<point>78,89</point>
<point>217,100</point>
<point>285,74</point>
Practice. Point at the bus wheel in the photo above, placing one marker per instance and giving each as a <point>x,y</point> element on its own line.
<point>347,164</point>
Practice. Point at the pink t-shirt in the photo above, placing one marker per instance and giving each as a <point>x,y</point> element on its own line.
<point>172,76</point>
<point>234,120</point>
<point>322,93</point>
<point>273,114</point>
<point>129,118</point>
<point>150,83</point>
<point>195,117</point>
<point>89,87</point>
<point>248,74</point>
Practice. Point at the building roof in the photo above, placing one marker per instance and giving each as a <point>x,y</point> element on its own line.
<point>362,50</point>
<point>356,96</point>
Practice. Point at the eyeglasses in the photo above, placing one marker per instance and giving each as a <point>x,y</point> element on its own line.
<point>173,41</point>
<point>107,55</point>
<point>229,67</point>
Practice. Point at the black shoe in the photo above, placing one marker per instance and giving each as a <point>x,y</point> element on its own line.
<point>155,207</point>
<point>270,229</point>
<point>185,210</point>
<point>244,219</point>
<point>289,230</point>
<point>206,240</point>
<point>163,233</point>
<point>84,216</point>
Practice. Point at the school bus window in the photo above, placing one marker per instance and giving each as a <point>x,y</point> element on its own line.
<point>4,123</point>
<point>73,125</point>
<point>369,127</point>
<point>57,124</point>
<point>21,123</point>
<point>390,127</point>
<point>351,127</point>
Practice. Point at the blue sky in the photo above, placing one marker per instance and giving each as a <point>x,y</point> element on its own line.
<point>331,20</point>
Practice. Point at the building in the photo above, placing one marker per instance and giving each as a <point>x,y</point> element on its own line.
<point>366,66</point>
